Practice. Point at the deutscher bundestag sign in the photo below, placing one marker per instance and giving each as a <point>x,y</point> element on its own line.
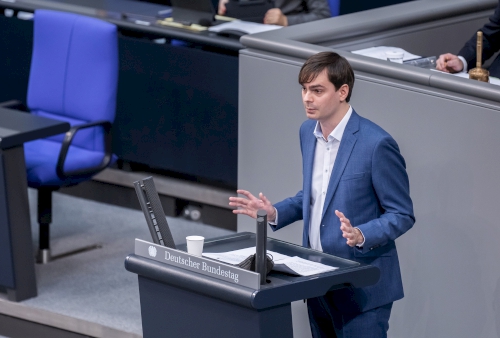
<point>205,266</point>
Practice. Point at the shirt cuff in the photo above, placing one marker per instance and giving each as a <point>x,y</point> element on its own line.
<point>276,219</point>
<point>364,240</point>
<point>464,63</point>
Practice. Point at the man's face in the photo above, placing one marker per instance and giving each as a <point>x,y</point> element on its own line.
<point>321,100</point>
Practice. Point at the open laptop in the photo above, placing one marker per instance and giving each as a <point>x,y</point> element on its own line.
<point>187,12</point>
<point>249,10</point>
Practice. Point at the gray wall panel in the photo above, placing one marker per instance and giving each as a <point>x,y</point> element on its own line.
<point>425,39</point>
<point>449,259</point>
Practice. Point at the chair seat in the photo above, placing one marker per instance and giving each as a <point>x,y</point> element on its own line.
<point>41,160</point>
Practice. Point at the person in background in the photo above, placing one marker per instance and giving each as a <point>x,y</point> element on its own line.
<point>355,200</point>
<point>291,12</point>
<point>466,58</point>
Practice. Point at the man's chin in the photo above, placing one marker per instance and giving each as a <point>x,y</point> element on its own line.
<point>311,116</point>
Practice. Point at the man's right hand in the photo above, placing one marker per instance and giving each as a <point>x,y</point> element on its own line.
<point>249,205</point>
<point>222,7</point>
<point>449,63</point>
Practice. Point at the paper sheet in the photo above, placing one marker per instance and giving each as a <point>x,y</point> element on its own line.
<point>244,26</point>
<point>293,265</point>
<point>379,52</point>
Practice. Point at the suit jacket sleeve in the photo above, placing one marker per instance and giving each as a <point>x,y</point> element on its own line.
<point>289,211</point>
<point>316,10</point>
<point>491,41</point>
<point>390,181</point>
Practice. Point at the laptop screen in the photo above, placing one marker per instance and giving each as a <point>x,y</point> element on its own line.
<point>189,12</point>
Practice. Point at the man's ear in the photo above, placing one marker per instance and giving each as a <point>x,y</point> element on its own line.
<point>344,92</point>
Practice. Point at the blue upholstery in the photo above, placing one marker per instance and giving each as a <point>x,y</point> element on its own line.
<point>73,77</point>
<point>334,7</point>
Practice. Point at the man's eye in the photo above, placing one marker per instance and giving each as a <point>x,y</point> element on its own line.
<point>317,91</point>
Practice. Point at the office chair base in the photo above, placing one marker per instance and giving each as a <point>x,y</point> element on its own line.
<point>44,256</point>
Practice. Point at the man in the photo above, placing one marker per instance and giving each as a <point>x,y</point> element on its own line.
<point>466,58</point>
<point>291,12</point>
<point>354,202</point>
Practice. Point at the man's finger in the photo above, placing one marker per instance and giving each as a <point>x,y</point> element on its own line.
<point>238,200</point>
<point>247,194</point>
<point>264,199</point>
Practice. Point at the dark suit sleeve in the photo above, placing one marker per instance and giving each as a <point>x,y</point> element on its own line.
<point>390,181</point>
<point>316,10</point>
<point>491,41</point>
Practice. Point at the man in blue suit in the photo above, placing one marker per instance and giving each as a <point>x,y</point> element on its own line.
<point>354,202</point>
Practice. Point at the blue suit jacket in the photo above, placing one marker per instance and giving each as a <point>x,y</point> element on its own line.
<point>370,186</point>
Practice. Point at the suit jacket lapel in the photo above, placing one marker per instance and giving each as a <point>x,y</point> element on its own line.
<point>309,147</point>
<point>346,145</point>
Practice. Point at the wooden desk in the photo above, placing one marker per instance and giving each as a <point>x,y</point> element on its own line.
<point>17,260</point>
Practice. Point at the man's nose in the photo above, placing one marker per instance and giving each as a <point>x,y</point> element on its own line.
<point>307,97</point>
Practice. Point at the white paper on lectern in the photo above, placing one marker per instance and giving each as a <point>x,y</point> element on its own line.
<point>238,256</point>
<point>283,263</point>
<point>301,266</point>
<point>379,52</point>
<point>244,26</point>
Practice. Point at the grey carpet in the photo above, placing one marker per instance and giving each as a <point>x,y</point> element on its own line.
<point>94,286</point>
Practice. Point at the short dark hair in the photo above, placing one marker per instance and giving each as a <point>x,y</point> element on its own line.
<point>339,71</point>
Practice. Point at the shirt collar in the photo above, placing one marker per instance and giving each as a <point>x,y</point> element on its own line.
<point>338,132</point>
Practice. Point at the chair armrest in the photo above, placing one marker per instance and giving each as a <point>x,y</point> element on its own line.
<point>68,138</point>
<point>14,104</point>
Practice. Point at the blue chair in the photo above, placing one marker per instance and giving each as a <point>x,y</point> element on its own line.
<point>334,7</point>
<point>74,78</point>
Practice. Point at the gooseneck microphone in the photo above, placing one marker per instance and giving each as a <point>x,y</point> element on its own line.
<point>261,251</point>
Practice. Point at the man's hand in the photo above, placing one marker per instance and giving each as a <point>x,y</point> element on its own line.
<point>222,7</point>
<point>352,234</point>
<point>249,205</point>
<point>449,63</point>
<point>275,16</point>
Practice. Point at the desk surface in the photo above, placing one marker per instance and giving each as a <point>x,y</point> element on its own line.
<point>140,16</point>
<point>17,127</point>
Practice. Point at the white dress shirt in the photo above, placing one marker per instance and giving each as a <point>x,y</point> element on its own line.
<point>324,159</point>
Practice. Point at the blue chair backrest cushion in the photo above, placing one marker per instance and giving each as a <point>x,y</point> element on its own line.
<point>334,7</point>
<point>71,77</point>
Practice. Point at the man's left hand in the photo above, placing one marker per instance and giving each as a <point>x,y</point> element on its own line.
<point>352,234</point>
<point>275,16</point>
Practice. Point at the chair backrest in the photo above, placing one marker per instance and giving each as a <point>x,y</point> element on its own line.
<point>74,71</point>
<point>334,7</point>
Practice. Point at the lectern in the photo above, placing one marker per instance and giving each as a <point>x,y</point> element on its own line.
<point>220,300</point>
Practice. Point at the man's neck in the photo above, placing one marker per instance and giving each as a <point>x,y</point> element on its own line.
<point>328,126</point>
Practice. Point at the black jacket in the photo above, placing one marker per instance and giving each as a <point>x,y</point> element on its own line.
<point>491,44</point>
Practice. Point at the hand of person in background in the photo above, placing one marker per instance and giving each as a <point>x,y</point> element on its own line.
<point>275,16</point>
<point>352,234</point>
<point>249,205</point>
<point>449,63</point>
<point>222,7</point>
